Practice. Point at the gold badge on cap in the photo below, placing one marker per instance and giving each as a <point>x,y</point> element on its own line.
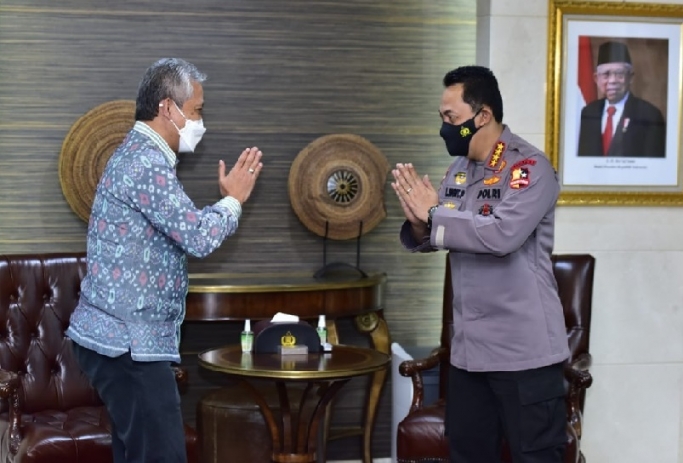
<point>288,340</point>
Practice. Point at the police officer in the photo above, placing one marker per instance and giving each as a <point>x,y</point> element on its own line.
<point>494,213</point>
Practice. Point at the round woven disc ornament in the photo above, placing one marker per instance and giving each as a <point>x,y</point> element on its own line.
<point>339,179</point>
<point>87,148</point>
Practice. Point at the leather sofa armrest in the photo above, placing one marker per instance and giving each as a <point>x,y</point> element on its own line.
<point>579,379</point>
<point>414,369</point>
<point>181,377</point>
<point>9,391</point>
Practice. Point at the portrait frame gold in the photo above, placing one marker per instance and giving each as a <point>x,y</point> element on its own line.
<point>605,180</point>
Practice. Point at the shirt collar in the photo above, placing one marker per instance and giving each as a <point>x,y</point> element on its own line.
<point>619,105</point>
<point>158,140</point>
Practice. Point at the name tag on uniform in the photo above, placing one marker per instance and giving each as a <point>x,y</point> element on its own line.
<point>456,193</point>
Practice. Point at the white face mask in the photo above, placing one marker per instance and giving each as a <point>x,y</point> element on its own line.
<point>191,134</point>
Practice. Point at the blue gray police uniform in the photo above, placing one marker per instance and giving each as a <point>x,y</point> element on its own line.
<point>496,219</point>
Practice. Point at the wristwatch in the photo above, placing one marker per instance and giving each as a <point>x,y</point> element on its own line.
<point>430,214</point>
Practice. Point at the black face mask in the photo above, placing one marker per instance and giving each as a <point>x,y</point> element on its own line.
<point>458,137</point>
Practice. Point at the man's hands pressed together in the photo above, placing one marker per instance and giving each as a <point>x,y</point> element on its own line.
<point>240,181</point>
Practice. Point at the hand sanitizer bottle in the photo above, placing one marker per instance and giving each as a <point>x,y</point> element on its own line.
<point>247,337</point>
<point>322,330</point>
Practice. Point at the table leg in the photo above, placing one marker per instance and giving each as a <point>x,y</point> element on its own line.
<point>373,323</point>
<point>267,414</point>
<point>300,432</point>
<point>332,338</point>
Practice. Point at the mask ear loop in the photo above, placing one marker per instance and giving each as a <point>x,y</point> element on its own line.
<point>475,116</point>
<point>161,105</point>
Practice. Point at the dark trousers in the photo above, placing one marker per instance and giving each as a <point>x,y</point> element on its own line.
<point>143,403</point>
<point>526,408</point>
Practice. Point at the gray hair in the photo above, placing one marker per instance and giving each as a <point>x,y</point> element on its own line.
<point>167,78</point>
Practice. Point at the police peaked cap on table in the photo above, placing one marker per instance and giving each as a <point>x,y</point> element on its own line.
<point>613,52</point>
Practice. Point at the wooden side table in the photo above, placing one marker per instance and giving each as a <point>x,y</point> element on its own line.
<point>235,297</point>
<point>295,437</point>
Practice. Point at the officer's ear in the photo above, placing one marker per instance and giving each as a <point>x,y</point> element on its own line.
<point>485,116</point>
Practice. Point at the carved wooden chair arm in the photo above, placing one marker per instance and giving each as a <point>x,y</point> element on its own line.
<point>414,369</point>
<point>579,379</point>
<point>576,373</point>
<point>9,381</point>
<point>9,391</point>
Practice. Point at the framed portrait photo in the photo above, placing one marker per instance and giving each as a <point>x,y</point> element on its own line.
<point>613,115</point>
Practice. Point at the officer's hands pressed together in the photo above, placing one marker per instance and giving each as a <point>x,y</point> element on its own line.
<point>413,191</point>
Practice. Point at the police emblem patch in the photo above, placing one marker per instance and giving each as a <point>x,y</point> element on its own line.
<point>460,178</point>
<point>520,178</point>
<point>486,209</point>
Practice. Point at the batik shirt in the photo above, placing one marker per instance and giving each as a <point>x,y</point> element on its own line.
<point>141,228</point>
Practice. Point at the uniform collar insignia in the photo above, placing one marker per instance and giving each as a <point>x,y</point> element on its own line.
<point>496,156</point>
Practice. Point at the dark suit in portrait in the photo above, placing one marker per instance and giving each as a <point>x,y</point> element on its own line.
<point>640,132</point>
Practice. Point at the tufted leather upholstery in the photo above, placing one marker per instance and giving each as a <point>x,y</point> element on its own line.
<point>421,434</point>
<point>48,410</point>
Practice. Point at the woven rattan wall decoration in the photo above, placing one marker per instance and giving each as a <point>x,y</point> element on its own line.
<point>336,183</point>
<point>87,148</point>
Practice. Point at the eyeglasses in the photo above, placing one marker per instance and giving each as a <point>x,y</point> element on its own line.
<point>618,75</point>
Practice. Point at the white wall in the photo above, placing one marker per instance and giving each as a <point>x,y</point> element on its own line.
<point>634,408</point>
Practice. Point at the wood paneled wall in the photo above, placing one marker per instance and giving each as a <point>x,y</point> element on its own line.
<point>281,74</point>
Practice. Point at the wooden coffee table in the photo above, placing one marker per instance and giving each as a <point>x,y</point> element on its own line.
<point>295,436</point>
